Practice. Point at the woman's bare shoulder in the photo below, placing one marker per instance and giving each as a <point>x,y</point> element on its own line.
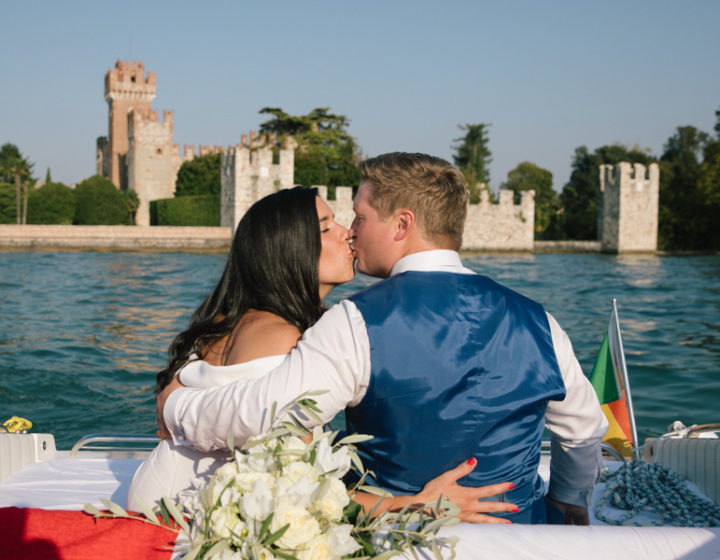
<point>260,334</point>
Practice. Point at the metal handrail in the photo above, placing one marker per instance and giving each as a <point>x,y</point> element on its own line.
<point>148,441</point>
<point>695,431</point>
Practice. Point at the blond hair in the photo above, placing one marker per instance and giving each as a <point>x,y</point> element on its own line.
<point>432,188</point>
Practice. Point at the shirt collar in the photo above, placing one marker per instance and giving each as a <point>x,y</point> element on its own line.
<point>439,259</point>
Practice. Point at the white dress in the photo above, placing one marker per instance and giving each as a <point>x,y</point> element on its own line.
<point>172,468</point>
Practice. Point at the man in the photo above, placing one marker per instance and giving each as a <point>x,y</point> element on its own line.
<point>438,363</point>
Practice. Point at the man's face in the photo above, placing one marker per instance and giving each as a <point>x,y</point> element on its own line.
<point>371,237</point>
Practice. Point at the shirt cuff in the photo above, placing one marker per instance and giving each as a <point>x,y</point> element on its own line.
<point>573,472</point>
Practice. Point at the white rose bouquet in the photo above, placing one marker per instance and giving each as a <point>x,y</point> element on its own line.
<point>282,496</point>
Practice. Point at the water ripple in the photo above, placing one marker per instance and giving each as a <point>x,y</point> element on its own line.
<point>82,335</point>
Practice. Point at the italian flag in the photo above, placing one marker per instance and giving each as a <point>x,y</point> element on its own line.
<point>607,380</point>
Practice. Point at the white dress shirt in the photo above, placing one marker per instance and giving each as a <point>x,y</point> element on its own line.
<point>334,355</point>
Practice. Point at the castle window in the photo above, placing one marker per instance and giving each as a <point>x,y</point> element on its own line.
<point>132,79</point>
<point>159,151</point>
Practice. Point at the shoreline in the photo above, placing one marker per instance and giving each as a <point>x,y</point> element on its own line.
<point>195,239</point>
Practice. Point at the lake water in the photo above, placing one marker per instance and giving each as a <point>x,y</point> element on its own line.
<point>82,335</point>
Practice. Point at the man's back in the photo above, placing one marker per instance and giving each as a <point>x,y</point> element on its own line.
<point>462,366</point>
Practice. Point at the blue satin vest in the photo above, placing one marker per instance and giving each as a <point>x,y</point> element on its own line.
<point>461,367</point>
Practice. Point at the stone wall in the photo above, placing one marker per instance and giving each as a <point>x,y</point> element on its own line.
<point>628,211</point>
<point>248,174</point>
<point>113,238</point>
<point>489,227</point>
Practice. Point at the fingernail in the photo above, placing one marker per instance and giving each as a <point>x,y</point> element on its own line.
<point>508,522</point>
<point>516,509</point>
<point>472,461</point>
<point>511,486</point>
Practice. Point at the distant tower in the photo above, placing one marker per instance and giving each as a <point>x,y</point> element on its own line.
<point>628,210</point>
<point>126,90</point>
<point>248,174</point>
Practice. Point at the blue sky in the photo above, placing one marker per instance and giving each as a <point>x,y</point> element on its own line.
<point>547,76</point>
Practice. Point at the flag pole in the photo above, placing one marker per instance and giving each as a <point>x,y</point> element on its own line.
<point>626,381</point>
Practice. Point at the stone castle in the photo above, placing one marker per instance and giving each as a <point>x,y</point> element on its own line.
<point>628,210</point>
<point>139,154</point>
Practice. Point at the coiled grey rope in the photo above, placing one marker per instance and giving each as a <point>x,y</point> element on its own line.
<point>639,487</point>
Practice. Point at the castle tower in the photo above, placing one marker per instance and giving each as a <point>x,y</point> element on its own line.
<point>127,89</point>
<point>248,174</point>
<point>628,211</point>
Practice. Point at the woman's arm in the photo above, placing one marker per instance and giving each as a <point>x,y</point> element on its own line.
<point>464,497</point>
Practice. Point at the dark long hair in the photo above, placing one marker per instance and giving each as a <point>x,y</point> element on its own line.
<point>272,266</point>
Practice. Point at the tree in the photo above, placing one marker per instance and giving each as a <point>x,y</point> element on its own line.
<point>579,198</point>
<point>16,168</point>
<point>98,202</point>
<point>199,176</point>
<point>7,204</point>
<point>690,190</point>
<point>528,176</point>
<point>326,153</point>
<point>53,203</point>
<point>133,203</point>
<point>473,157</point>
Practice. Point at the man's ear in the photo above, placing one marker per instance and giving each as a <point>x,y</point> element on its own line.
<point>404,223</point>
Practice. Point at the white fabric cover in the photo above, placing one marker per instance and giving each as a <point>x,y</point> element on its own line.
<point>71,483</point>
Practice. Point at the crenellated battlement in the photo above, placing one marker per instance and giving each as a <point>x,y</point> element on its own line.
<point>128,81</point>
<point>628,208</point>
<point>248,174</point>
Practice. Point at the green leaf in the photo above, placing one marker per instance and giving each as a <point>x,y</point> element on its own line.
<point>276,535</point>
<point>164,512</point>
<point>265,527</point>
<point>354,438</point>
<point>218,547</point>
<point>177,516</point>
<point>376,491</point>
<point>273,411</point>
<point>92,510</point>
<point>116,509</point>
<point>283,555</point>
<point>145,509</point>
<point>192,553</point>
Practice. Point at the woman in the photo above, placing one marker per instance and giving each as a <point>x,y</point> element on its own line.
<point>287,255</point>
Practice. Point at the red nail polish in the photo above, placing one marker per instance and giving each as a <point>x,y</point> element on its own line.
<point>508,522</point>
<point>472,461</point>
<point>511,486</point>
<point>516,509</point>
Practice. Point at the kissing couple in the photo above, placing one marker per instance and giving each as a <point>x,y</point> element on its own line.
<point>454,375</point>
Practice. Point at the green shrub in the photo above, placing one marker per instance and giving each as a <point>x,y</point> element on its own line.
<point>53,203</point>
<point>199,176</point>
<point>98,202</point>
<point>186,211</point>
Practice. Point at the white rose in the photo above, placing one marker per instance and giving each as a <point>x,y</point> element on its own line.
<point>303,526</point>
<point>295,471</point>
<point>331,500</point>
<point>222,520</point>
<point>227,471</point>
<point>245,481</point>
<point>340,541</point>
<point>316,549</point>
<point>292,449</point>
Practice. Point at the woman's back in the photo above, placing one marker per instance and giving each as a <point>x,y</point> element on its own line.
<point>258,343</point>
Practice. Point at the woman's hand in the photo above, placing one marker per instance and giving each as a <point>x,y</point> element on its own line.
<point>466,497</point>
